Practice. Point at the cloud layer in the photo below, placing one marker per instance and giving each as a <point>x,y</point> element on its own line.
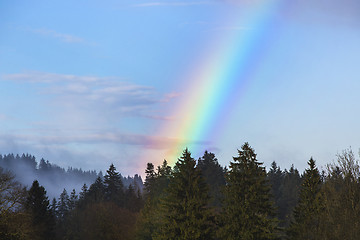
<point>87,114</point>
<point>172,4</point>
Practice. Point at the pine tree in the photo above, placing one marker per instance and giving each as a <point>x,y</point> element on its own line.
<point>63,205</point>
<point>96,192</point>
<point>156,182</point>
<point>73,200</point>
<point>248,211</point>
<point>307,213</point>
<point>114,189</point>
<point>289,196</point>
<point>214,176</point>
<point>275,176</point>
<point>54,207</point>
<point>186,212</point>
<point>83,192</point>
<point>37,204</point>
<point>150,178</point>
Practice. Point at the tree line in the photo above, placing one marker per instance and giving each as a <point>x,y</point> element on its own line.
<point>194,200</point>
<point>53,177</point>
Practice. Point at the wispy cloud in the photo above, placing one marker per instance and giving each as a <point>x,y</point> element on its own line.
<point>3,117</point>
<point>95,137</point>
<point>163,118</point>
<point>88,114</point>
<point>168,97</point>
<point>43,77</point>
<point>227,28</point>
<point>63,37</point>
<point>94,94</point>
<point>173,4</point>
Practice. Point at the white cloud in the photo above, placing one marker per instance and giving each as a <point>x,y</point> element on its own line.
<point>88,114</point>
<point>168,97</point>
<point>60,138</point>
<point>102,96</point>
<point>63,37</point>
<point>43,77</point>
<point>227,28</point>
<point>3,117</point>
<point>173,4</point>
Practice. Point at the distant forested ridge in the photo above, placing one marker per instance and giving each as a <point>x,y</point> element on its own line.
<point>54,178</point>
<point>192,200</point>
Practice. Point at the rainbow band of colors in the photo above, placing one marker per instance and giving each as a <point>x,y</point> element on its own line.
<point>220,80</point>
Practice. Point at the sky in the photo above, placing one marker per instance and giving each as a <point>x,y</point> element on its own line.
<point>90,83</point>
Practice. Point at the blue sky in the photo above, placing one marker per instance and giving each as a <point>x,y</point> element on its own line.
<point>88,83</point>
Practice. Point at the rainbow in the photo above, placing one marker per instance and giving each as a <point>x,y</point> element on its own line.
<point>219,81</point>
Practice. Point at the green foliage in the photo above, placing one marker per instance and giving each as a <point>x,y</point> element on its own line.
<point>150,219</point>
<point>288,197</point>
<point>96,192</point>
<point>248,211</point>
<point>105,221</point>
<point>133,199</point>
<point>275,176</point>
<point>37,204</point>
<point>175,203</point>
<point>63,205</point>
<point>306,223</point>
<point>214,176</point>
<point>186,213</point>
<point>114,189</point>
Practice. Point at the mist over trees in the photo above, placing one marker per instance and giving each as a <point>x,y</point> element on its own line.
<point>192,200</point>
<point>52,177</point>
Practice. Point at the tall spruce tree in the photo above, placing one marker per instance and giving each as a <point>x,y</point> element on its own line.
<point>96,192</point>
<point>114,188</point>
<point>186,212</point>
<point>37,204</point>
<point>156,182</point>
<point>214,176</point>
<point>63,205</point>
<point>306,222</point>
<point>289,195</point>
<point>248,212</point>
<point>275,176</point>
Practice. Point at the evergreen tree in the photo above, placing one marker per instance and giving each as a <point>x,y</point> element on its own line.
<point>82,196</point>
<point>150,178</point>
<point>149,222</point>
<point>73,200</point>
<point>133,200</point>
<point>114,189</point>
<point>37,204</point>
<point>248,211</point>
<point>307,213</point>
<point>54,207</point>
<point>63,205</point>
<point>96,192</point>
<point>83,192</point>
<point>275,176</point>
<point>186,212</point>
<point>214,176</point>
<point>289,195</point>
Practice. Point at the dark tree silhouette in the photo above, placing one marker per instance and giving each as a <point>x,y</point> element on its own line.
<point>248,212</point>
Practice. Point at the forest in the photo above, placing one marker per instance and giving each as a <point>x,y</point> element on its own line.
<point>194,199</point>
